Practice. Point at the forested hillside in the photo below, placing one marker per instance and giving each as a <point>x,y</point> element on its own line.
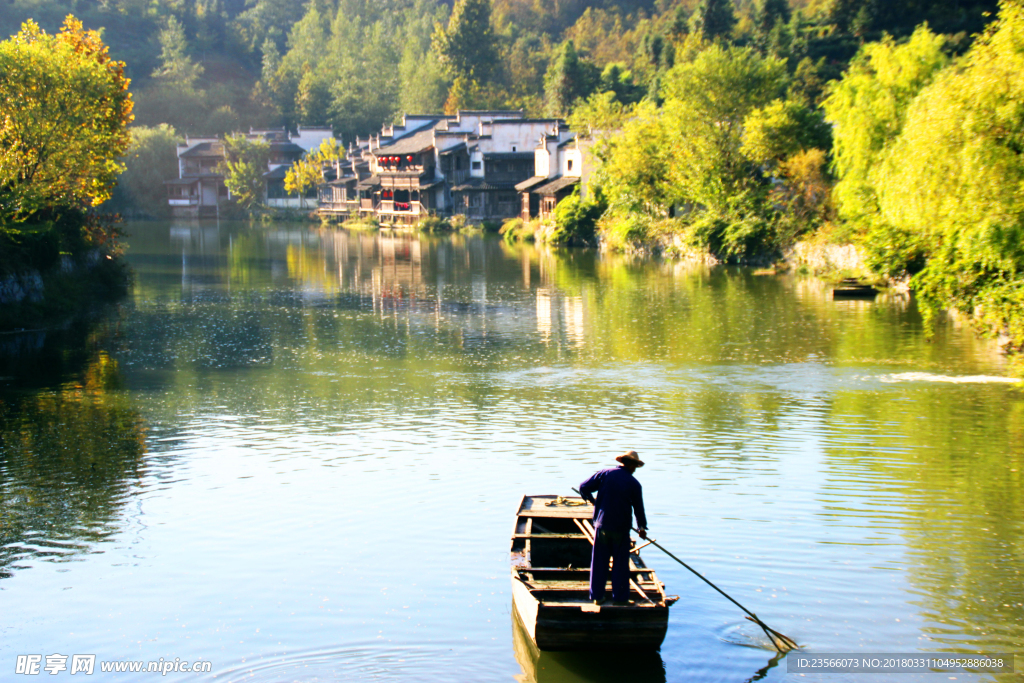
<point>210,66</point>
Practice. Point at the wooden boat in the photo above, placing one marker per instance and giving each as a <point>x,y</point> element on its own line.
<point>545,666</point>
<point>550,557</point>
<point>852,288</point>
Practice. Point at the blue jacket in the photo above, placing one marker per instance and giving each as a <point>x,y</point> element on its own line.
<point>619,495</point>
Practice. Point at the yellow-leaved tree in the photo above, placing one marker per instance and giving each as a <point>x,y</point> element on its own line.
<point>64,115</point>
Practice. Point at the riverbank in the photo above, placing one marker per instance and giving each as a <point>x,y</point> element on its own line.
<point>32,299</point>
<point>1001,319</point>
<point>52,270</point>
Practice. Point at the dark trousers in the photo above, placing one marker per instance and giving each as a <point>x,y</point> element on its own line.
<point>614,545</point>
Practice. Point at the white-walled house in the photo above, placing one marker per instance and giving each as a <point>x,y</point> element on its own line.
<point>560,166</point>
<point>199,188</point>
<point>467,163</point>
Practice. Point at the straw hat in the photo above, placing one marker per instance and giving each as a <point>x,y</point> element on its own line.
<point>630,458</point>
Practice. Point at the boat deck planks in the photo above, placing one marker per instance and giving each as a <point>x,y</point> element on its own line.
<point>552,598</point>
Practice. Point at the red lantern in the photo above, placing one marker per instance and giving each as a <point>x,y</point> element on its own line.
<point>409,158</point>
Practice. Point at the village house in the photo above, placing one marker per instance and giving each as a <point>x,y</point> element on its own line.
<point>199,188</point>
<point>484,165</point>
<point>560,168</point>
<point>468,163</point>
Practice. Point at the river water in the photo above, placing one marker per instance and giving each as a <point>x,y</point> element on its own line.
<point>296,454</point>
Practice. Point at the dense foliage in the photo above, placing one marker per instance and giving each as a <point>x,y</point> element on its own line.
<point>946,173</point>
<point>150,160</point>
<point>64,112</point>
<point>244,165</point>
<point>216,66</point>
<point>720,155</point>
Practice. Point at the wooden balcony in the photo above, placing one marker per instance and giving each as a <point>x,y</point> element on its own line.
<point>390,206</point>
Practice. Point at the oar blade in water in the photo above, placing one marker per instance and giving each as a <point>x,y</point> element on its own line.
<point>782,642</point>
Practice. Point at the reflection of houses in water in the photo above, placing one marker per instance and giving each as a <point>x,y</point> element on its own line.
<point>573,310</point>
<point>202,260</point>
<point>557,313</point>
<point>545,317</point>
<point>434,282</point>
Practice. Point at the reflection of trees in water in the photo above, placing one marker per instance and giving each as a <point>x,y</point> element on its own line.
<point>68,455</point>
<point>952,460</point>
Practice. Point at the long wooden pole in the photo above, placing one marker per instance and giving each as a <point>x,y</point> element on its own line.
<point>774,636</point>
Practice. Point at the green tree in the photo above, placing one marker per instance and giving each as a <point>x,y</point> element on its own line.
<point>575,220</point>
<point>768,14</point>
<point>713,19</point>
<point>466,47</point>
<point>707,102</point>
<point>771,26</point>
<point>313,98</point>
<point>245,163</point>
<point>151,159</point>
<point>601,114</point>
<point>422,87</point>
<point>619,81</point>
<point>949,187</point>
<point>782,129</point>
<point>176,69</point>
<point>569,78</point>
<point>64,122</point>
<point>308,172</point>
<point>867,108</point>
<point>636,164</point>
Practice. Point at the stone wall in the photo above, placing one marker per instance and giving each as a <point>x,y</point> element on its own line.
<point>21,287</point>
<point>827,258</point>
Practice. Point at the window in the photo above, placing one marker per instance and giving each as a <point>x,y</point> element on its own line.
<point>570,164</point>
<point>513,148</point>
<point>476,165</point>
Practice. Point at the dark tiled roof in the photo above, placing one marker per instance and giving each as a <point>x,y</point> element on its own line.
<point>454,148</point>
<point>372,181</point>
<point>277,174</point>
<point>557,185</point>
<point>204,149</point>
<point>417,142</point>
<point>560,122</point>
<point>401,174</point>
<point>531,182</point>
<point>286,147</point>
<point>509,113</point>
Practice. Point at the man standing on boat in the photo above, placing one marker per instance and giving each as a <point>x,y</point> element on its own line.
<point>618,496</point>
